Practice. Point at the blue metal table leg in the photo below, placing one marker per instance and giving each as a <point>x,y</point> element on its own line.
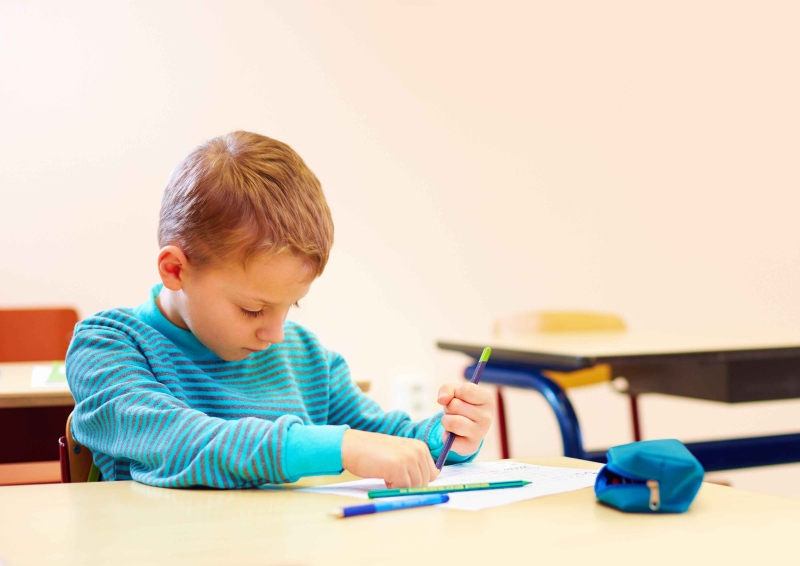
<point>528,378</point>
<point>735,453</point>
<point>727,454</point>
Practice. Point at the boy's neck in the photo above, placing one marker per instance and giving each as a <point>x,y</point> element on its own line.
<point>167,303</point>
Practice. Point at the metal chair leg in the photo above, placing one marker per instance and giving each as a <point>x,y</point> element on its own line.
<point>637,431</point>
<point>501,425</point>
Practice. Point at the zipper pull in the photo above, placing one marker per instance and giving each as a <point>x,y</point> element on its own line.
<point>655,497</point>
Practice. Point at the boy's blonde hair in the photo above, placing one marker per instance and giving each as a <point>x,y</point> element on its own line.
<point>241,194</point>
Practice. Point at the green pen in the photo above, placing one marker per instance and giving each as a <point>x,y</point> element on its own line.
<point>375,493</point>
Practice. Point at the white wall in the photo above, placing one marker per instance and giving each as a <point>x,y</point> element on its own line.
<point>479,158</point>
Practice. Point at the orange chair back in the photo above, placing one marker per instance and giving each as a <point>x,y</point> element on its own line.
<point>551,322</point>
<point>36,335</point>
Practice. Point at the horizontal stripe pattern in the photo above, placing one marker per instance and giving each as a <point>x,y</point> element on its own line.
<point>150,413</point>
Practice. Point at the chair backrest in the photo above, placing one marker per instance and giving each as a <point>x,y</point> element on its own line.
<point>36,335</point>
<point>535,322</point>
<point>556,321</point>
<point>76,460</point>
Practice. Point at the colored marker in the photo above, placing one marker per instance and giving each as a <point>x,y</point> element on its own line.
<point>376,493</point>
<point>476,377</point>
<point>391,505</point>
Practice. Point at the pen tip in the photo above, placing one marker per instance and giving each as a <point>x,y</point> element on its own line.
<point>485,355</point>
<point>337,513</point>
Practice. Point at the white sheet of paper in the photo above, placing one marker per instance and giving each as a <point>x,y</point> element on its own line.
<point>40,377</point>
<point>545,480</point>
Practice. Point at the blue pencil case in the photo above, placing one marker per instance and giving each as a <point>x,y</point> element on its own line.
<point>651,476</point>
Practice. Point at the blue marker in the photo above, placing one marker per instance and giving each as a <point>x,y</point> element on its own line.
<point>392,505</point>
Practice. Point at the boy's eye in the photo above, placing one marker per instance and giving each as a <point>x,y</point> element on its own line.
<point>256,314</point>
<point>252,314</point>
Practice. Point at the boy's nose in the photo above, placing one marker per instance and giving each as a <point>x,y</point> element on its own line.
<point>272,333</point>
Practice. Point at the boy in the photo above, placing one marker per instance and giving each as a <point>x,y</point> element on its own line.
<point>207,383</point>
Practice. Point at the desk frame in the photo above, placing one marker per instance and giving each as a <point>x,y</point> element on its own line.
<point>517,370</point>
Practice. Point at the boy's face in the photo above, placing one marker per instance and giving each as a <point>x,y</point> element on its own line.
<point>236,310</point>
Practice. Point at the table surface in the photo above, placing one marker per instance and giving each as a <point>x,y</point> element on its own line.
<point>16,390</point>
<point>577,350</point>
<point>130,523</point>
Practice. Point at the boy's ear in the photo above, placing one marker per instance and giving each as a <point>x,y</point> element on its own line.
<point>172,264</point>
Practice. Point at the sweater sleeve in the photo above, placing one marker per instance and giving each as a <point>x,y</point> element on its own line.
<point>351,407</point>
<point>124,414</point>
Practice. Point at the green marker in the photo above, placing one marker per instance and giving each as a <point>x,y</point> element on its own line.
<point>376,493</point>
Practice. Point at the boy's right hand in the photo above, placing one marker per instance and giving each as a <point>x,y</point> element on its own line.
<point>400,462</point>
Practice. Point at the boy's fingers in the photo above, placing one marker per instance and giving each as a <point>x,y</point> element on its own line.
<point>460,426</point>
<point>473,394</point>
<point>416,477</point>
<point>425,472</point>
<point>464,446</point>
<point>459,407</point>
<point>446,393</point>
<point>434,471</point>
<point>399,482</point>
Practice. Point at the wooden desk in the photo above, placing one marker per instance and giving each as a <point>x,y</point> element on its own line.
<point>16,390</point>
<point>729,366</point>
<point>726,365</point>
<point>129,523</point>
<point>31,418</point>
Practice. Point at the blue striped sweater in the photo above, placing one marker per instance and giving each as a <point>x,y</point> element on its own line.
<point>155,405</point>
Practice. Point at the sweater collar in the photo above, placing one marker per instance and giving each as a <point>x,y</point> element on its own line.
<point>185,340</point>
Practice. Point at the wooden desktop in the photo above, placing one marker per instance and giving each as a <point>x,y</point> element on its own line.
<point>130,523</point>
<point>32,419</point>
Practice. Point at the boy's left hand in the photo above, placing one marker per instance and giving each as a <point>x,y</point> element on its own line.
<point>468,411</point>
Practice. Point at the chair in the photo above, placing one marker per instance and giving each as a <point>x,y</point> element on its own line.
<point>528,323</point>
<point>33,335</point>
<point>76,460</point>
<point>36,335</point>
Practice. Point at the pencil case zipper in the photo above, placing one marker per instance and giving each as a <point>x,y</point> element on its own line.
<point>635,482</point>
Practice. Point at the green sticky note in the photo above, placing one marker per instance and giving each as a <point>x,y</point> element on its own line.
<point>58,373</point>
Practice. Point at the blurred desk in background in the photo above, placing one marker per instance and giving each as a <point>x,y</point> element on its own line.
<point>730,366</point>
<point>32,418</point>
<point>17,389</point>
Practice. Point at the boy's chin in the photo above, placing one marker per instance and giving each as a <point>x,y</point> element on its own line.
<point>234,355</point>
